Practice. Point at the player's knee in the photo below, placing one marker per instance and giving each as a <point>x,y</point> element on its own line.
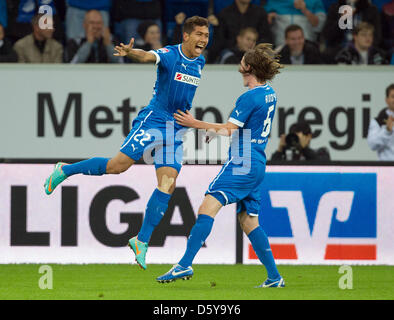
<point>247,222</point>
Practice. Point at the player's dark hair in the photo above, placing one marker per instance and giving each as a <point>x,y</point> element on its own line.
<point>262,62</point>
<point>292,28</point>
<point>388,89</point>
<point>192,22</point>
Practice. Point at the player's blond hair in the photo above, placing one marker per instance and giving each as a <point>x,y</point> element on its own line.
<point>262,62</point>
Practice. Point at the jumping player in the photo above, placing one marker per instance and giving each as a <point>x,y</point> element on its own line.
<point>154,129</point>
<point>240,179</point>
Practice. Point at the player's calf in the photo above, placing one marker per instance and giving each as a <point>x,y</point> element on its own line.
<point>118,164</point>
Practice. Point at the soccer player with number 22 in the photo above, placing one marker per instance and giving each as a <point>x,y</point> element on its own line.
<point>240,179</point>
<point>154,129</point>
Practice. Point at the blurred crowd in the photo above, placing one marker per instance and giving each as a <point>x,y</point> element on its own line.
<point>357,32</point>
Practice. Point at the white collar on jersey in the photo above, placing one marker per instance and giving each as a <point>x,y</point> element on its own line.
<point>262,86</point>
<point>180,51</point>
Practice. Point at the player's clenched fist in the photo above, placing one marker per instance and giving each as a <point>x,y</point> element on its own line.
<point>124,49</point>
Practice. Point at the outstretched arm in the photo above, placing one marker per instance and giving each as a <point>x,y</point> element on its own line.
<point>187,120</point>
<point>138,55</point>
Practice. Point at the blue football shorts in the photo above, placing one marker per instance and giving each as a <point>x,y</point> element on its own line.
<point>155,137</point>
<point>239,184</point>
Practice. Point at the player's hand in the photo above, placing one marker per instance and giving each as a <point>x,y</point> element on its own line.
<point>185,119</point>
<point>123,49</point>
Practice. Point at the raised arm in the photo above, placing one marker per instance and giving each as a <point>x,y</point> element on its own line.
<point>138,55</point>
<point>187,120</point>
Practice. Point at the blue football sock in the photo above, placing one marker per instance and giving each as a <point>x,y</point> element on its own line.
<point>198,235</point>
<point>155,209</point>
<point>261,246</point>
<point>92,167</point>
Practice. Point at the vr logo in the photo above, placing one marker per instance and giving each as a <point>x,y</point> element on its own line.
<point>316,239</point>
<point>321,216</point>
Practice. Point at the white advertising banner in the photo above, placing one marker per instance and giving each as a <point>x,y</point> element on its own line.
<point>89,219</point>
<point>68,111</point>
<point>312,215</point>
<point>327,215</point>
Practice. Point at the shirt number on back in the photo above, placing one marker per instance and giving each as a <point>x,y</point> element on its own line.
<point>267,122</point>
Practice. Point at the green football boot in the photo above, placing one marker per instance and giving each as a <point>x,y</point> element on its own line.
<point>139,248</point>
<point>56,177</point>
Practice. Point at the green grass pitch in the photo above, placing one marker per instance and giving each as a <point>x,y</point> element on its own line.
<point>232,282</point>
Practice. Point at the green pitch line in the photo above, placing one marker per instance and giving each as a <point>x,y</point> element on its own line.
<point>233,282</point>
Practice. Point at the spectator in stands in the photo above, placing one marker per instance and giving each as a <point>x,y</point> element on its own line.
<point>150,32</point>
<point>129,14</point>
<point>297,50</point>
<point>232,19</point>
<point>381,129</point>
<point>39,46</point>
<point>246,40</point>
<point>96,46</point>
<point>296,145</point>
<point>75,15</point>
<point>361,50</point>
<point>336,38</point>
<point>310,15</point>
<point>7,53</point>
<point>21,12</point>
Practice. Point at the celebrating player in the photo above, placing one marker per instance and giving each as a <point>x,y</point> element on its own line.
<point>178,76</point>
<point>240,179</point>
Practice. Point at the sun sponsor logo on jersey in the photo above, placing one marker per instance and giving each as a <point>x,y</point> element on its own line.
<point>316,217</point>
<point>185,78</point>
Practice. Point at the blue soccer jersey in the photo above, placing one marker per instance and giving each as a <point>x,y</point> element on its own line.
<point>177,79</point>
<point>254,111</point>
<point>240,179</point>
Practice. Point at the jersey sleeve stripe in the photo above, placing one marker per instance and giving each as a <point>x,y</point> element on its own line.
<point>236,122</point>
<point>157,56</point>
